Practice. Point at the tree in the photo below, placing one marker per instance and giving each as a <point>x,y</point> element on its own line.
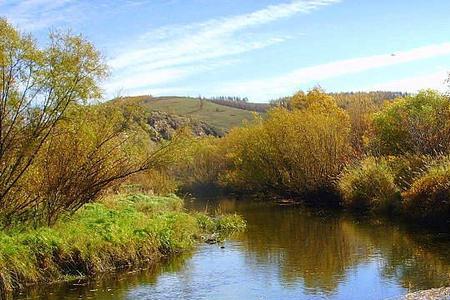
<point>36,88</point>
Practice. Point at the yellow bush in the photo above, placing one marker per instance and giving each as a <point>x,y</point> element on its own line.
<point>291,151</point>
<point>429,195</point>
<point>369,185</point>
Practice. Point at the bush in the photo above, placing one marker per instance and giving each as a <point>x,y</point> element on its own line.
<point>153,181</point>
<point>417,124</point>
<point>298,151</point>
<point>369,185</point>
<point>406,168</point>
<point>429,195</point>
<point>205,161</point>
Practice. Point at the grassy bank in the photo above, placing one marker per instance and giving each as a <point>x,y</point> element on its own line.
<point>119,231</point>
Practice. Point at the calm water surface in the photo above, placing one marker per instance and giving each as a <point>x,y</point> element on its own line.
<point>287,252</point>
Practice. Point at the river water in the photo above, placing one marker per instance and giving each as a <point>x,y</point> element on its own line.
<point>287,252</point>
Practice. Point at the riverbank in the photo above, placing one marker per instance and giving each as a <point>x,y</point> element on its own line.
<point>432,294</point>
<point>120,231</point>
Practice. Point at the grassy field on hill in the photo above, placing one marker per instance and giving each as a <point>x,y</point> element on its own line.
<point>219,116</point>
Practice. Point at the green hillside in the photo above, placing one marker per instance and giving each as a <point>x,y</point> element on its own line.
<point>219,116</point>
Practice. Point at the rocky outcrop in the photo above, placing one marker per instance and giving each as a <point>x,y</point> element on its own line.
<point>163,126</point>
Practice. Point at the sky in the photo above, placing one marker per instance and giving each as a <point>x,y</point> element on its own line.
<point>260,49</point>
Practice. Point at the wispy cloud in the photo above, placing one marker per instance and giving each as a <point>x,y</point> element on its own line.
<point>32,15</point>
<point>36,15</point>
<point>267,88</point>
<point>178,48</point>
<point>436,80</point>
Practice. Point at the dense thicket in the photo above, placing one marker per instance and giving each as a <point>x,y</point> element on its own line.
<point>295,151</point>
<point>414,124</point>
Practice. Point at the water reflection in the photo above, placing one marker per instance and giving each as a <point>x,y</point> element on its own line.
<point>107,286</point>
<point>320,249</point>
<point>287,252</point>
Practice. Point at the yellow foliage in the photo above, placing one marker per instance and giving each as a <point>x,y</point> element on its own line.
<point>295,151</point>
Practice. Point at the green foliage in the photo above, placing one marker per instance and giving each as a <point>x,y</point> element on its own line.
<point>429,195</point>
<point>224,224</point>
<point>369,185</point>
<point>119,231</point>
<point>414,124</point>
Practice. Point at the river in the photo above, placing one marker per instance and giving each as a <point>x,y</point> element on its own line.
<point>287,252</point>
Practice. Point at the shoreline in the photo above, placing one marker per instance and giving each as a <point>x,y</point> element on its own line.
<point>119,232</point>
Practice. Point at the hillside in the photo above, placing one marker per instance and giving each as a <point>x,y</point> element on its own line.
<point>220,117</point>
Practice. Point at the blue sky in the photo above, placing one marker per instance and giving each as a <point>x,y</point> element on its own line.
<point>261,49</point>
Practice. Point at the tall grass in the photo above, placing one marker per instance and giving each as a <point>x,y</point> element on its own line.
<point>370,185</point>
<point>429,195</point>
<point>120,231</point>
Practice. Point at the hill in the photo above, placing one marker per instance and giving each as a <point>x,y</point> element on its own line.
<point>216,116</point>
<point>220,117</point>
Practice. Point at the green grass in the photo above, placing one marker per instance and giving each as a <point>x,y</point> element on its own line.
<point>219,116</point>
<point>120,231</point>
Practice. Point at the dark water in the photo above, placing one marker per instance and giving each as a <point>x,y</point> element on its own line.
<point>287,252</point>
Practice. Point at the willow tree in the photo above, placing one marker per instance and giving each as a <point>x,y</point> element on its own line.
<point>37,85</point>
<point>299,150</point>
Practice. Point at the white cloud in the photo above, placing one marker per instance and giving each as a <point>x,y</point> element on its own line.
<point>140,78</point>
<point>267,88</point>
<point>180,49</point>
<point>435,80</point>
<point>32,15</point>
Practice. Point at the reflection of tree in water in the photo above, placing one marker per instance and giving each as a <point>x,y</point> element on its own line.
<point>314,250</point>
<point>319,250</point>
<point>416,259</point>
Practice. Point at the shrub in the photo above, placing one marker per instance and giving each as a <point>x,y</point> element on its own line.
<point>205,161</point>
<point>369,185</point>
<point>153,181</point>
<point>429,195</point>
<point>406,168</point>
<point>417,124</point>
<point>298,151</point>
